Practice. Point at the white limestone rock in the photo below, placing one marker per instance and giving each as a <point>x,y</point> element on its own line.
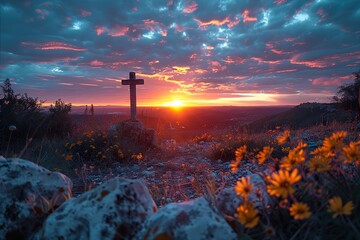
<point>227,201</point>
<point>194,219</point>
<point>113,210</point>
<point>28,193</point>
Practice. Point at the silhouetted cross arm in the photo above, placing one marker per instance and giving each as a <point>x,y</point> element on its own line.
<point>132,81</point>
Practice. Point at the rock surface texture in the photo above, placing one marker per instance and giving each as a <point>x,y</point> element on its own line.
<point>135,133</point>
<point>28,193</point>
<point>113,210</point>
<point>189,220</point>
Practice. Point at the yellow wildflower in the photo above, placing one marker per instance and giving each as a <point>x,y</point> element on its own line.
<point>79,142</point>
<point>318,163</point>
<point>300,211</point>
<point>72,145</point>
<point>301,145</point>
<point>295,156</point>
<point>240,153</point>
<point>281,183</point>
<point>334,141</point>
<point>284,137</point>
<point>323,152</point>
<point>352,152</point>
<point>68,157</point>
<point>244,187</point>
<point>234,165</point>
<point>248,215</point>
<point>336,207</point>
<point>264,154</point>
<point>139,156</point>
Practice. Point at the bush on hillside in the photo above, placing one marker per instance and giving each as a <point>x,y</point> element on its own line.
<point>25,114</point>
<point>59,121</point>
<point>21,111</point>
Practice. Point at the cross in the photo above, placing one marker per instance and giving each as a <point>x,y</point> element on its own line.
<point>132,81</point>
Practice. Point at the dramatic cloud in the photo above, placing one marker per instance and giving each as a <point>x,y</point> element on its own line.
<point>198,51</point>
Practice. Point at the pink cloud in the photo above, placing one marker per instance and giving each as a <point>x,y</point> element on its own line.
<point>191,7</point>
<point>279,51</point>
<point>84,13</point>
<point>53,46</point>
<point>118,31</point>
<point>216,67</point>
<point>170,3</point>
<point>332,81</point>
<point>42,13</point>
<point>286,70</point>
<point>180,28</point>
<point>97,63</point>
<point>233,60</point>
<point>149,24</point>
<point>247,18</point>
<point>278,2</point>
<point>325,61</point>
<point>289,39</point>
<point>216,22</point>
<point>260,60</point>
<point>309,63</point>
<point>100,30</point>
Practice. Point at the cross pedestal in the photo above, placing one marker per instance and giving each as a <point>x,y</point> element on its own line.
<point>132,81</point>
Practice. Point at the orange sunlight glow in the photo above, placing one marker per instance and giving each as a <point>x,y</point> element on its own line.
<point>175,104</point>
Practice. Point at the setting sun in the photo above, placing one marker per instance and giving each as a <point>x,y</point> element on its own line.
<point>175,104</point>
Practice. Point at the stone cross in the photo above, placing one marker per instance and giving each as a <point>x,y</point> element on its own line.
<point>132,81</point>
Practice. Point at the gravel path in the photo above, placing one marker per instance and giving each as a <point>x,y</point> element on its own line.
<point>181,174</point>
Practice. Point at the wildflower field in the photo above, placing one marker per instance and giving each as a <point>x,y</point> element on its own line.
<point>314,192</point>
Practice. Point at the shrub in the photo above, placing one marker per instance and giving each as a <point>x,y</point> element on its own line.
<point>59,121</point>
<point>93,147</point>
<point>21,111</point>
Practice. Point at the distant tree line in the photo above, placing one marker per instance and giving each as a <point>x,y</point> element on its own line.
<point>24,118</point>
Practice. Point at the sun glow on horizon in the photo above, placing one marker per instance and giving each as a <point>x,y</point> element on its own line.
<point>177,103</point>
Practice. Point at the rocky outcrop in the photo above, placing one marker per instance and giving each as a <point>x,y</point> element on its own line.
<point>113,210</point>
<point>227,201</point>
<point>28,193</point>
<point>185,221</point>
<point>135,133</point>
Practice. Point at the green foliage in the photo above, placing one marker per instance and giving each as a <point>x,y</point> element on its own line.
<point>59,122</point>
<point>21,111</point>
<point>348,95</point>
<point>225,149</point>
<point>93,147</point>
<point>25,114</point>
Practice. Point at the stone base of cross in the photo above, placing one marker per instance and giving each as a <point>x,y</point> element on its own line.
<point>132,82</point>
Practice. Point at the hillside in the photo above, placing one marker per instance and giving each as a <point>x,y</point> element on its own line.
<point>302,116</point>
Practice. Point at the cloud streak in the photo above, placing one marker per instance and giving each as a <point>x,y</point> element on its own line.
<point>195,50</point>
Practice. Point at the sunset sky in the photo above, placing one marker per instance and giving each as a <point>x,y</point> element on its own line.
<point>196,52</point>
